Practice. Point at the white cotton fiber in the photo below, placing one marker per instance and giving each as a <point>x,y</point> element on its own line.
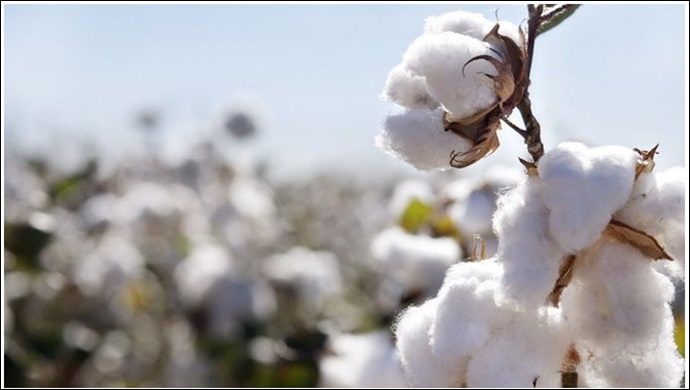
<point>418,263</point>
<point>418,137</point>
<point>315,275</point>
<point>196,275</point>
<point>583,187</point>
<point>471,24</point>
<point>617,309</point>
<point>408,89</point>
<point>466,312</point>
<point>530,259</point>
<point>362,360</point>
<point>527,351</point>
<point>440,58</point>
<point>412,342</point>
<point>657,207</point>
<point>473,214</point>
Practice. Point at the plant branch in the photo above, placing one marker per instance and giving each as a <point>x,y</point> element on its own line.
<point>532,132</point>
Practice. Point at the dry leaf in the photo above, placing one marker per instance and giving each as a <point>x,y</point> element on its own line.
<point>565,275</point>
<point>530,167</point>
<point>485,144</point>
<point>638,239</point>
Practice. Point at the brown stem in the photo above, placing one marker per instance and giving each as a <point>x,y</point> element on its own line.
<point>532,133</point>
<point>533,129</point>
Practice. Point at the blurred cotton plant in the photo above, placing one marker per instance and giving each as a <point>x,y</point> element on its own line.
<point>196,271</point>
<point>579,288</point>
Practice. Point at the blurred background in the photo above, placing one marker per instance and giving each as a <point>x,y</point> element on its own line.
<point>192,196</point>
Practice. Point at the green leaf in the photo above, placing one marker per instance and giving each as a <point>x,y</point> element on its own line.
<point>415,215</point>
<point>680,335</point>
<point>554,16</point>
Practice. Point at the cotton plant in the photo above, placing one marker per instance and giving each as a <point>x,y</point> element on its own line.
<point>590,240</point>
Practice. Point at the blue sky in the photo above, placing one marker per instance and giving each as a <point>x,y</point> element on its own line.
<point>610,74</point>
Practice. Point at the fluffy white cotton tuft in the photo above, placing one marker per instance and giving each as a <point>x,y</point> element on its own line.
<point>583,187</point>
<point>471,24</point>
<point>196,275</point>
<point>314,275</point>
<point>617,309</point>
<point>412,342</point>
<point>657,206</point>
<point>418,263</point>
<point>418,137</point>
<point>362,360</point>
<point>440,59</point>
<point>109,266</point>
<point>527,351</point>
<point>408,89</point>
<point>466,311</point>
<point>525,248</point>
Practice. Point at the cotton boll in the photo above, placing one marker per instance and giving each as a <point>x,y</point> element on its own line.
<point>583,187</point>
<point>530,260</point>
<point>313,274</point>
<point>418,137</point>
<point>617,310</point>
<point>109,266</point>
<point>471,24</point>
<point>412,342</point>
<point>660,366</point>
<point>196,275</point>
<point>474,214</point>
<point>418,263</point>
<point>616,298</point>
<point>408,89</point>
<point>252,199</point>
<point>657,207</point>
<point>407,191</point>
<point>362,360</point>
<point>527,351</point>
<point>440,58</point>
<point>466,312</point>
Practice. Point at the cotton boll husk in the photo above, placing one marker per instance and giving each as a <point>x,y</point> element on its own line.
<point>407,191</point>
<point>530,260</point>
<point>582,188</point>
<point>418,137</point>
<point>440,58</point>
<point>362,360</point>
<point>408,89</point>
<point>466,312</point>
<point>416,262</point>
<point>412,341</point>
<point>657,207</point>
<point>528,348</point>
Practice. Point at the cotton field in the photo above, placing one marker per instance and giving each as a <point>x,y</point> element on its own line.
<point>245,244</point>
